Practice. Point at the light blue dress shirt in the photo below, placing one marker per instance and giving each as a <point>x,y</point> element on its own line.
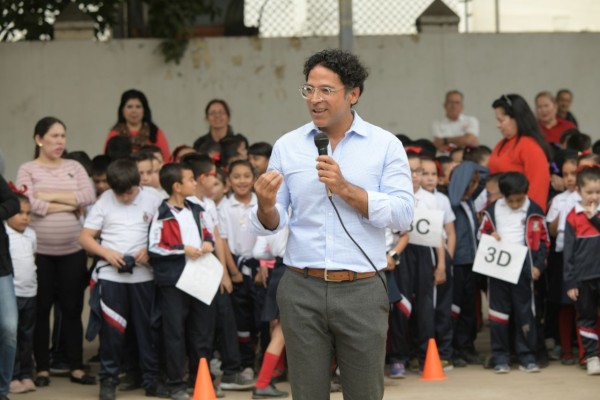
<point>370,158</point>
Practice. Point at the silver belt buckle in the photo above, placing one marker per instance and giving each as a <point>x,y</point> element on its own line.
<point>326,277</point>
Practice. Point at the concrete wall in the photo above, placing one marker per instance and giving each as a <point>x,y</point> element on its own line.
<point>81,83</point>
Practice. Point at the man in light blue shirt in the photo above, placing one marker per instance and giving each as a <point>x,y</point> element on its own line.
<point>332,298</point>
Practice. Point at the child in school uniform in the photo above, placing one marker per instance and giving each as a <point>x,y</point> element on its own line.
<point>243,267</point>
<point>122,287</point>
<point>443,291</point>
<point>556,294</point>
<point>515,219</point>
<point>581,263</point>
<point>462,193</point>
<point>204,171</point>
<point>178,233</point>
<point>22,241</point>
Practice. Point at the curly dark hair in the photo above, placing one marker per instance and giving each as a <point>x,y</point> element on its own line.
<point>348,67</point>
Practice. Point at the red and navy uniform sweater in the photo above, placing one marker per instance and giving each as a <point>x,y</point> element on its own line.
<point>536,235</point>
<point>166,248</point>
<point>582,241</point>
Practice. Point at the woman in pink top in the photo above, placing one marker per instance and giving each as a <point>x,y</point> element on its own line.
<point>57,189</point>
<point>134,120</point>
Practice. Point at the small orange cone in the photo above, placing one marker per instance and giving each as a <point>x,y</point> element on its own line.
<point>433,366</point>
<point>204,389</point>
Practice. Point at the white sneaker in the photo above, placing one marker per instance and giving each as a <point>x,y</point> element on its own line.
<point>215,367</point>
<point>248,373</point>
<point>593,366</point>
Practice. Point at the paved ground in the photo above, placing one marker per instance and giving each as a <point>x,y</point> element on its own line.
<point>555,382</point>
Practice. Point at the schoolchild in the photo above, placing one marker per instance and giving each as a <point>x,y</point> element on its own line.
<point>243,267</point>
<point>581,262</point>
<point>178,233</point>
<point>22,242</point>
<point>204,171</point>
<point>516,219</point>
<point>462,192</point>
<point>122,287</point>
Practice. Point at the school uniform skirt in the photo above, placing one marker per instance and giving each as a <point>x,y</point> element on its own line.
<point>270,309</point>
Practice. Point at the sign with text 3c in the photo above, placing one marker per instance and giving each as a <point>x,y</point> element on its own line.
<point>499,260</point>
<point>426,228</point>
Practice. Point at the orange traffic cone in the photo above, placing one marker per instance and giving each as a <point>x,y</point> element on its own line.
<point>204,389</point>
<point>433,366</point>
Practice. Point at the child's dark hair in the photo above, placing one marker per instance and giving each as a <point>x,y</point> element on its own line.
<point>171,174</point>
<point>230,146</point>
<point>427,146</point>
<point>199,163</point>
<point>513,183</point>
<point>260,149</point>
<point>122,175</point>
<point>118,147</point>
<point>143,156</point>
<point>456,150</point>
<point>178,150</point>
<point>594,157</point>
<point>596,147</point>
<point>494,177</point>
<point>222,175</point>
<point>208,146</point>
<point>476,153</point>
<point>237,163</point>
<point>404,139</point>
<point>100,163</point>
<point>82,158</point>
<point>579,142</point>
<point>152,149</point>
<point>587,173</point>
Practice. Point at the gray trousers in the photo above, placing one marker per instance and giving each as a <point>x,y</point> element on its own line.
<point>348,320</point>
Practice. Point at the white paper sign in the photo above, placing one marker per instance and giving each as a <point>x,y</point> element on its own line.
<point>201,278</point>
<point>499,260</point>
<point>426,228</point>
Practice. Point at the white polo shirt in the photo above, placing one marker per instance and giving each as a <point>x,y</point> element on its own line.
<point>124,228</point>
<point>510,224</point>
<point>210,215</point>
<point>269,247</point>
<point>234,226</point>
<point>572,199</point>
<point>22,252</point>
<point>446,128</point>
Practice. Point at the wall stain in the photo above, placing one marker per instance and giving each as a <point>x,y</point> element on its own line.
<point>256,43</point>
<point>258,69</point>
<point>295,43</point>
<point>237,60</point>
<point>415,38</point>
<point>279,71</point>
<point>200,55</point>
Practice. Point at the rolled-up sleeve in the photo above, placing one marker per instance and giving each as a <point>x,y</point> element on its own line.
<point>392,206</point>
<point>85,195</point>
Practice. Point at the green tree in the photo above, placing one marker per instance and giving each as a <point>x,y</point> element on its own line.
<point>167,19</point>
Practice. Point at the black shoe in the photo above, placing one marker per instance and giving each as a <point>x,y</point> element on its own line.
<point>236,381</point>
<point>84,380</point>
<point>459,362</point>
<point>108,390</point>
<point>472,357</point>
<point>180,394</point>
<point>94,359</point>
<point>158,389</point>
<point>270,392</point>
<point>41,381</point>
<point>129,382</point>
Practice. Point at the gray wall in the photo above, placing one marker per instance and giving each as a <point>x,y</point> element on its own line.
<point>81,83</point>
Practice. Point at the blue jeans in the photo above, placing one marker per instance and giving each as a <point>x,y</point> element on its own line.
<point>8,331</point>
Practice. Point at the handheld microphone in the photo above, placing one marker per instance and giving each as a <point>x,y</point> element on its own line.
<point>322,141</point>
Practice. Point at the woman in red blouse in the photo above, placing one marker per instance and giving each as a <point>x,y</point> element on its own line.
<point>134,120</point>
<point>551,125</point>
<point>523,148</point>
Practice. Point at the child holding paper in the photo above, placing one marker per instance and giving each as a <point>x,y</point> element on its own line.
<point>515,219</point>
<point>177,234</point>
<point>123,292</point>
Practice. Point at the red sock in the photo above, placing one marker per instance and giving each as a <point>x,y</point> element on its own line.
<point>280,367</point>
<point>266,370</point>
<point>565,328</point>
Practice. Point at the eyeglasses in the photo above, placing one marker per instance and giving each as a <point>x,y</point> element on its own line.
<point>417,171</point>
<point>210,173</point>
<point>308,91</point>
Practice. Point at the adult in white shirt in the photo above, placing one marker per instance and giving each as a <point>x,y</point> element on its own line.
<point>455,129</point>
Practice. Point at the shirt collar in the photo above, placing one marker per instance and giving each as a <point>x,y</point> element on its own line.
<point>523,208</point>
<point>236,203</point>
<point>358,126</point>
<point>579,208</point>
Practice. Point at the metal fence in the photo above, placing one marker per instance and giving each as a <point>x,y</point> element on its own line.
<point>285,18</point>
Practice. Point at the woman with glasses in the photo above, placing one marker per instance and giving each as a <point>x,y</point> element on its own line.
<point>523,148</point>
<point>217,115</point>
<point>134,121</point>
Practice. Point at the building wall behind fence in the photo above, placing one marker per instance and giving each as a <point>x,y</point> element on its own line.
<point>81,83</point>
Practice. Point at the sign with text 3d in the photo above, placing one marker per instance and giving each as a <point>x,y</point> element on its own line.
<point>499,260</point>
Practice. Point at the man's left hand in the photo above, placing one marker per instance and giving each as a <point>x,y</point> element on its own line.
<point>330,174</point>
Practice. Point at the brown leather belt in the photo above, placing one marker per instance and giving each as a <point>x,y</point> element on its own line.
<point>343,275</point>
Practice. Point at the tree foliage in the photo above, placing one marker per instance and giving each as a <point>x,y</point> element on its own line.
<point>170,20</point>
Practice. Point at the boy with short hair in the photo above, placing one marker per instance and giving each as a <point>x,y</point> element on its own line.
<point>581,263</point>
<point>123,293</point>
<point>100,164</point>
<point>178,233</point>
<point>515,219</point>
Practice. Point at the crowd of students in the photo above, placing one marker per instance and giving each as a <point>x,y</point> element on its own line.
<point>150,215</point>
